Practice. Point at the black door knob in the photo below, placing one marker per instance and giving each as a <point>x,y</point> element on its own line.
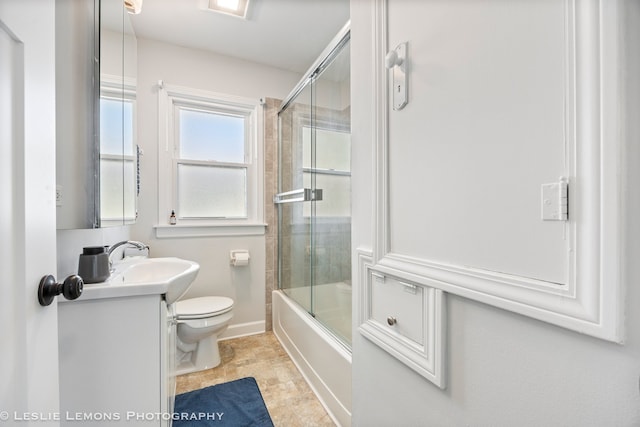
<point>71,288</point>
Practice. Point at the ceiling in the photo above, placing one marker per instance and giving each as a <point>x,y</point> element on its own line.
<point>287,34</point>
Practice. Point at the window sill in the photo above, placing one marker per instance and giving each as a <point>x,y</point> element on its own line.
<point>209,230</point>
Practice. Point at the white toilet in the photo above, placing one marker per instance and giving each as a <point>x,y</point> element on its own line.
<point>199,322</point>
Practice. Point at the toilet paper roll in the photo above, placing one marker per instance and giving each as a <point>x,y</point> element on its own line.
<point>239,259</point>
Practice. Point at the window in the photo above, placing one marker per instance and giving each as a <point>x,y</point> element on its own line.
<point>209,169</point>
<point>331,169</point>
<point>118,152</point>
<point>212,164</point>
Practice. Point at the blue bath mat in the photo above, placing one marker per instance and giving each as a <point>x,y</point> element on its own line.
<point>234,404</point>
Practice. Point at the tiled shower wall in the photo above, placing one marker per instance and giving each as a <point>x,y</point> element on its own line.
<point>332,239</point>
<point>270,212</point>
<point>331,235</point>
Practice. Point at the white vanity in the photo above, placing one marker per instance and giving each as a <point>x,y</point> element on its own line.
<point>117,345</point>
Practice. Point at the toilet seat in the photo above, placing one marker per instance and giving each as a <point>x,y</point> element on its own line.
<point>202,307</point>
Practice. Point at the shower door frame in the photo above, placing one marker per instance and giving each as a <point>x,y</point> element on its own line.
<point>301,195</point>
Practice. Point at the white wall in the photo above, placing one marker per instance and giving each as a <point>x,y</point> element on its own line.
<point>71,242</point>
<point>116,48</point>
<point>503,369</point>
<point>197,69</point>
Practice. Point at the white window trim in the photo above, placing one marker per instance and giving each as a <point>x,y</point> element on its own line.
<point>168,98</point>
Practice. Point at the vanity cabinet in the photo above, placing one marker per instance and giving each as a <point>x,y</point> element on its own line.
<point>117,361</point>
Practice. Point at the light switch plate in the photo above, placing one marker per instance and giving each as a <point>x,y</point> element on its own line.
<point>555,201</point>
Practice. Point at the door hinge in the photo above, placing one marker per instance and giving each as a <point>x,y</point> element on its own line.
<point>555,200</point>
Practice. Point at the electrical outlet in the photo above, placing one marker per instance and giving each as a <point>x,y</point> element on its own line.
<point>58,195</point>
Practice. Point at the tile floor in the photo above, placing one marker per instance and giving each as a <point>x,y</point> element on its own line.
<point>290,401</point>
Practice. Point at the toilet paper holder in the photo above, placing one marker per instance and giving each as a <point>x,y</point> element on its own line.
<point>239,258</point>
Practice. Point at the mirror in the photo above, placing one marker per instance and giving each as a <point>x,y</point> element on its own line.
<point>76,143</point>
<point>96,153</point>
<point>118,148</point>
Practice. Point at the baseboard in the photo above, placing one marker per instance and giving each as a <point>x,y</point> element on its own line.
<point>243,329</point>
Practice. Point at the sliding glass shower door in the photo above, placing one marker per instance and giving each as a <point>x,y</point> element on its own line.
<point>294,228</point>
<point>314,215</point>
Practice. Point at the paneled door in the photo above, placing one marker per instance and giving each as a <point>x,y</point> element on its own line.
<point>497,156</point>
<point>484,128</point>
<point>29,333</point>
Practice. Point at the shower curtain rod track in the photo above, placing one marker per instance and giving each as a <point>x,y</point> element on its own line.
<point>323,60</point>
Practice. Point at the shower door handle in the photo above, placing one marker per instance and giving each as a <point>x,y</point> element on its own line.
<point>300,195</point>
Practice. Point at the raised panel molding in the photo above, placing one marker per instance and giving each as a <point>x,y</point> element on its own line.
<point>422,351</point>
<point>590,301</point>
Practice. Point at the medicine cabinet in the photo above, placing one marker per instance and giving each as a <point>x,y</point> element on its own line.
<point>97,158</point>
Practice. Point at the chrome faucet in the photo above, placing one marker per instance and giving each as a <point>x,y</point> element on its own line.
<point>133,243</point>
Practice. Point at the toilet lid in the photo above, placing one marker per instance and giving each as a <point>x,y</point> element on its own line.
<point>195,308</point>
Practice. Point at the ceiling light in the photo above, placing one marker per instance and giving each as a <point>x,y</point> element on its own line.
<point>229,4</point>
<point>133,6</point>
<point>230,7</point>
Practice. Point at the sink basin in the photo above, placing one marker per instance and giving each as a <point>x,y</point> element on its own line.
<point>146,276</point>
<point>175,273</point>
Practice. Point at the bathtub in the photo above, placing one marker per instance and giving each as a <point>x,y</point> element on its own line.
<point>324,362</point>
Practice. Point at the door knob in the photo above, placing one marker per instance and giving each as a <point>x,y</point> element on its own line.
<point>71,288</point>
<point>396,61</point>
<point>392,59</point>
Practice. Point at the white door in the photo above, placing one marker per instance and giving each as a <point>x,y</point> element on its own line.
<point>28,332</point>
<point>502,179</point>
<point>485,126</point>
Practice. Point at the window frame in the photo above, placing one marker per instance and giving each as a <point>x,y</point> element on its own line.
<point>171,101</point>
<point>180,160</point>
<point>329,126</point>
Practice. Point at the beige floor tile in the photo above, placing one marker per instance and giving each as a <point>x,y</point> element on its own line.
<point>290,401</point>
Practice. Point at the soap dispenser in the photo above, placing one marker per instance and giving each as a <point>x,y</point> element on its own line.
<point>93,265</point>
